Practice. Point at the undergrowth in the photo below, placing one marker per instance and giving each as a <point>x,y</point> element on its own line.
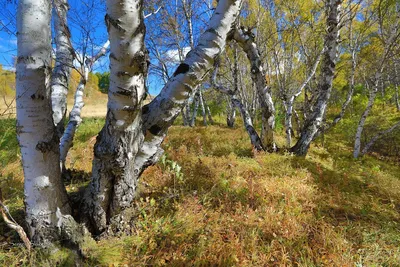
<point>213,201</point>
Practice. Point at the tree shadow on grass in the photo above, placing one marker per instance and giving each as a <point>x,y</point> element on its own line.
<point>347,198</point>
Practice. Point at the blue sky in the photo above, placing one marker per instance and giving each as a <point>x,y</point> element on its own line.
<point>88,31</point>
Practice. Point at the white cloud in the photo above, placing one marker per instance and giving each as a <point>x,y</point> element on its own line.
<point>172,56</point>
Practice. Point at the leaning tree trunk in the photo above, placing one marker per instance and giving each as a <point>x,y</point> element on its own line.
<point>160,114</point>
<point>45,195</point>
<point>61,73</point>
<point>114,180</point>
<point>121,154</point>
<point>328,66</point>
<point>364,116</point>
<point>235,102</point>
<point>246,40</point>
<point>289,102</point>
<point>75,114</point>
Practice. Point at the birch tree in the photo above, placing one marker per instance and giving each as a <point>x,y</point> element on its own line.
<point>328,64</point>
<point>125,146</point>
<point>389,29</point>
<point>236,102</point>
<point>61,72</point>
<point>45,195</point>
<point>75,114</point>
<point>245,38</point>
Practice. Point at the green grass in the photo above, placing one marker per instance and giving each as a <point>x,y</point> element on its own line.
<point>8,142</point>
<point>230,206</point>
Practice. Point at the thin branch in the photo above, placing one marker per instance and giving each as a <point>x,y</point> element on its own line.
<point>11,223</point>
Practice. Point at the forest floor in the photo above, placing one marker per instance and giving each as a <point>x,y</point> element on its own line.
<point>213,201</point>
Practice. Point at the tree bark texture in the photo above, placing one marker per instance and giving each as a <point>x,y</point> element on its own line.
<point>114,180</point>
<point>75,114</point>
<point>328,66</point>
<point>45,195</point>
<point>64,62</point>
<point>126,146</point>
<point>160,114</point>
<point>246,40</point>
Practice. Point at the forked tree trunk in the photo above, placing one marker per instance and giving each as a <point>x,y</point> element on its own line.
<point>289,101</point>
<point>61,72</point>
<point>328,66</point>
<point>114,180</point>
<point>45,195</point>
<point>121,154</point>
<point>246,40</point>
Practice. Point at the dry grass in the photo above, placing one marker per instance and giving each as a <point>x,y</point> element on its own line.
<point>95,105</point>
<point>230,206</point>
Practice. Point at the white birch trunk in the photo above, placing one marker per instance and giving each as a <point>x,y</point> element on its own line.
<point>230,114</point>
<point>361,123</point>
<point>196,102</point>
<point>118,163</point>
<point>160,114</point>
<point>246,40</point>
<point>114,180</point>
<point>377,136</point>
<point>235,102</point>
<point>45,195</point>
<point>74,119</point>
<point>75,114</point>
<point>314,121</point>
<point>64,58</point>
<point>203,109</point>
<point>288,121</point>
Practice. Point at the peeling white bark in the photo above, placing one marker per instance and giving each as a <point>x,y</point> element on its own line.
<point>160,114</point>
<point>245,39</point>
<point>114,180</point>
<point>75,114</point>
<point>64,58</point>
<point>363,119</point>
<point>314,120</point>
<point>247,121</point>
<point>43,187</point>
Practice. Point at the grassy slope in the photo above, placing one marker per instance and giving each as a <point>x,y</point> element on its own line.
<point>229,206</point>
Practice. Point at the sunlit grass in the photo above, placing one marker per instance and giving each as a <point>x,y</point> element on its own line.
<point>231,206</point>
